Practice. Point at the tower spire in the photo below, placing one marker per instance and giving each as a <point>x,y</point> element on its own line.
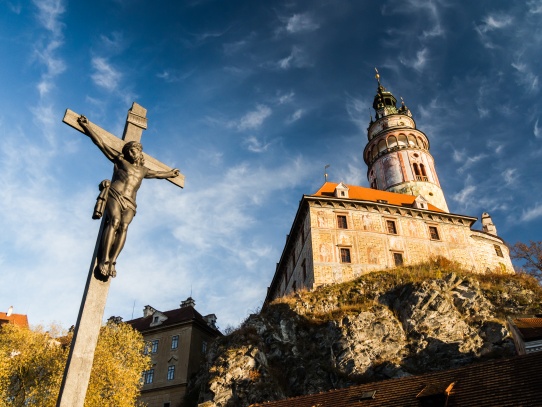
<point>397,154</point>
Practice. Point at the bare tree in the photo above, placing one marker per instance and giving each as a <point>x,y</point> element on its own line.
<point>531,257</point>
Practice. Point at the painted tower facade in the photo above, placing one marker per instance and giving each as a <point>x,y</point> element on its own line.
<point>397,153</point>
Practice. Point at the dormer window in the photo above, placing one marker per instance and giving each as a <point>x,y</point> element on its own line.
<point>341,191</point>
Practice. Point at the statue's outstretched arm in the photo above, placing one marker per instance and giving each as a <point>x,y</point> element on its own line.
<point>162,174</point>
<point>96,139</point>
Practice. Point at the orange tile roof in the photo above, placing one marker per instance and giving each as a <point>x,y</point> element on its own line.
<point>16,319</point>
<point>370,194</point>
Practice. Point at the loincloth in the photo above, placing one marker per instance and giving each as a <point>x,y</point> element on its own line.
<point>124,201</point>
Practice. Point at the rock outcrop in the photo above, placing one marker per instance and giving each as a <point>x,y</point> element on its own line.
<point>383,325</point>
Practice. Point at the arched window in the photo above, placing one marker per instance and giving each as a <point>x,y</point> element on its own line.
<point>421,143</point>
<point>382,146</point>
<point>416,170</point>
<point>402,140</point>
<point>374,151</point>
<point>412,141</point>
<point>392,142</point>
<point>422,169</point>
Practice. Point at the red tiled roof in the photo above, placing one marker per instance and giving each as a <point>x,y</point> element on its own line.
<point>530,328</point>
<point>504,383</point>
<point>175,316</point>
<point>16,319</point>
<point>370,194</point>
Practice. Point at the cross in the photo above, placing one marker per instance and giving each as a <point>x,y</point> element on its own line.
<point>119,209</point>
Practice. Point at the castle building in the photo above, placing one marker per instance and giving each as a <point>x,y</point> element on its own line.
<point>177,341</point>
<point>343,231</point>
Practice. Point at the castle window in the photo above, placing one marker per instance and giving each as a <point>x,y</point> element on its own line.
<point>433,233</point>
<point>390,225</point>
<point>498,250</point>
<point>174,341</point>
<point>154,348</point>
<point>148,376</point>
<point>345,255</point>
<point>416,170</point>
<point>204,347</point>
<point>422,168</point>
<point>341,222</point>
<point>382,146</point>
<point>171,372</point>
<point>412,141</point>
<point>398,259</point>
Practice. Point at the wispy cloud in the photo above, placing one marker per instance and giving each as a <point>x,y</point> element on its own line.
<point>297,59</point>
<point>285,98</point>
<point>510,175</point>
<point>532,213</point>
<point>526,77</point>
<point>301,23</point>
<point>113,43</point>
<point>49,13</point>
<point>295,116</point>
<point>172,75</point>
<point>492,22</point>
<point>254,119</point>
<point>105,75</point>
<point>418,63</point>
<point>535,6</point>
<point>536,130</point>
<point>255,145</point>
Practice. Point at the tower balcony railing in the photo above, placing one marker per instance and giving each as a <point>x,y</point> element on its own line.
<point>421,178</point>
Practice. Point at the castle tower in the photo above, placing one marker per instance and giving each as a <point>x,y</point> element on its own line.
<point>397,154</point>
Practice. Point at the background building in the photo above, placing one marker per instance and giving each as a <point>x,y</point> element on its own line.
<point>177,340</point>
<point>343,231</point>
<point>11,318</point>
<point>527,334</point>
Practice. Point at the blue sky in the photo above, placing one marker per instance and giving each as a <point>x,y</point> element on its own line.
<point>250,100</point>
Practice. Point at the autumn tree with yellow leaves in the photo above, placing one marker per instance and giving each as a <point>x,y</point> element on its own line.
<point>32,363</point>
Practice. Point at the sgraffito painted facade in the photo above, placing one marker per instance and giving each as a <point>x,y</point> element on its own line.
<point>343,231</point>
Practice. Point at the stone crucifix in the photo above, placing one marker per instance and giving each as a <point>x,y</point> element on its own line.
<point>117,202</point>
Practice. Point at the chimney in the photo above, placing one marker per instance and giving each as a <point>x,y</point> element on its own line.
<point>148,311</point>
<point>487,224</point>
<point>114,320</point>
<point>189,302</point>
<point>210,320</point>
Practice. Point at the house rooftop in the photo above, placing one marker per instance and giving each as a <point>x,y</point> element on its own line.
<point>503,383</point>
<point>173,317</point>
<point>15,319</point>
<point>369,194</point>
<point>530,328</point>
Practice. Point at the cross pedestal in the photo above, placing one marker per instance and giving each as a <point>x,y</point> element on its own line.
<point>89,321</point>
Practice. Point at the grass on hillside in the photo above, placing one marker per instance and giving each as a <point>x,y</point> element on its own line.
<point>362,294</point>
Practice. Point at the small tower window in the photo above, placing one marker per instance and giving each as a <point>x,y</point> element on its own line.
<point>398,259</point>
<point>498,250</point>
<point>422,169</point>
<point>416,170</point>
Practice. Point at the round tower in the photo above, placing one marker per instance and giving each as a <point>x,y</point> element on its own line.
<point>397,154</point>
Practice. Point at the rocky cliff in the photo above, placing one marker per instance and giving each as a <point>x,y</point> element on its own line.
<point>383,325</point>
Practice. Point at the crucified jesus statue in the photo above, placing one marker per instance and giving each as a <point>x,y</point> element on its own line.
<point>120,195</point>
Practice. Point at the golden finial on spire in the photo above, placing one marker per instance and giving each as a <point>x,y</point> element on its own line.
<point>377,76</point>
